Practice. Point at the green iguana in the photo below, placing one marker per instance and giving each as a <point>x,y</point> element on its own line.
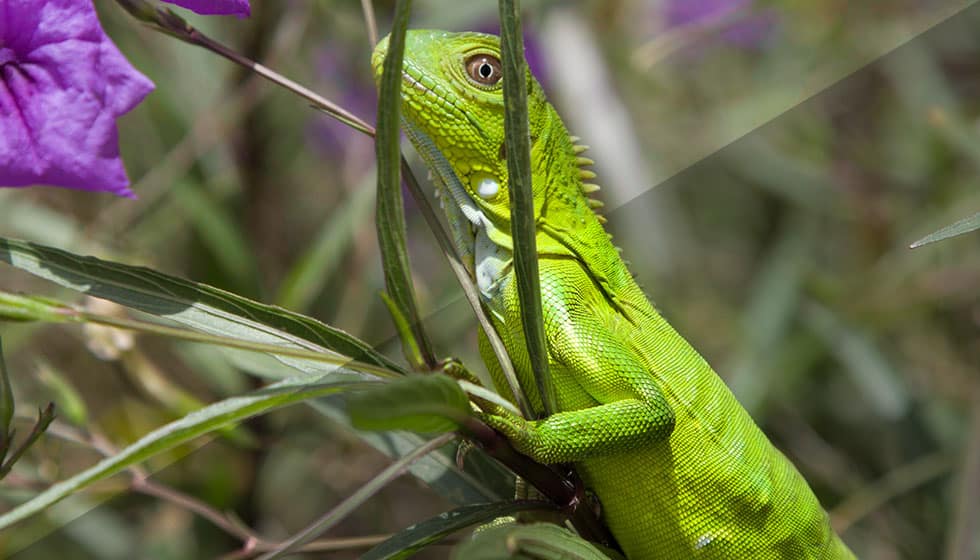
<point>679,467</point>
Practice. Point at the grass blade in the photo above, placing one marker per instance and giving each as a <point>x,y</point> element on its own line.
<point>523,226</point>
<point>390,219</point>
<point>965,225</point>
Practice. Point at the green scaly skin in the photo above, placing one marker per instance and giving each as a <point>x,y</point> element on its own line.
<point>680,468</point>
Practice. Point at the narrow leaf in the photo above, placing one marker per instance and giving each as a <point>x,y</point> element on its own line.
<point>523,225</point>
<point>390,215</point>
<point>197,423</point>
<point>544,541</point>
<point>7,406</point>
<point>196,305</point>
<point>407,542</point>
<point>217,312</point>
<point>965,225</point>
<point>410,346</point>
<point>425,404</point>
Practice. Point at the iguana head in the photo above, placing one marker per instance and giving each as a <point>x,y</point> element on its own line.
<point>453,111</point>
<point>453,106</point>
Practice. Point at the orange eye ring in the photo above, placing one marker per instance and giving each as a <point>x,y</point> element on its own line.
<point>484,69</point>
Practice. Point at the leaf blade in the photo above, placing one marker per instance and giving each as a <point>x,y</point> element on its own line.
<point>523,224</point>
<point>419,403</point>
<point>390,213</point>
<point>965,225</point>
<point>412,539</point>
<point>193,304</point>
<point>200,422</point>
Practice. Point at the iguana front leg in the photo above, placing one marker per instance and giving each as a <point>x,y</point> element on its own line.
<point>608,401</point>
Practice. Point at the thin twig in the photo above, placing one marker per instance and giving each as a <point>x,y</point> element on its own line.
<point>44,418</point>
<point>370,22</point>
<point>141,483</point>
<point>897,482</point>
<point>355,500</point>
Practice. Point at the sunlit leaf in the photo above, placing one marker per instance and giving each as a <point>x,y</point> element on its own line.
<point>543,541</point>
<point>419,403</point>
<point>965,225</point>
<point>195,305</point>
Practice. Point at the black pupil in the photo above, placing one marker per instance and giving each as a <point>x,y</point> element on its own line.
<point>486,70</point>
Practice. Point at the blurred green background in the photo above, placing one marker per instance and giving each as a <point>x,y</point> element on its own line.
<point>765,167</point>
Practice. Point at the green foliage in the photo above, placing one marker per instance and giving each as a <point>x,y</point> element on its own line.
<point>750,229</point>
<point>191,426</point>
<point>195,305</point>
<point>7,407</point>
<point>412,539</point>
<point>536,541</point>
<point>428,404</point>
<point>390,216</point>
<point>523,222</point>
<point>965,225</point>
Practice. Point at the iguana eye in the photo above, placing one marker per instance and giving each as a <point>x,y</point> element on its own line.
<point>484,69</point>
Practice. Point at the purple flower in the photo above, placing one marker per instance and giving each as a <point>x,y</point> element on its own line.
<point>239,8</point>
<point>741,24</point>
<point>62,86</point>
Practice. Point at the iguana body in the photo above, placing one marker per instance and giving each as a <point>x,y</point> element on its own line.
<point>680,468</point>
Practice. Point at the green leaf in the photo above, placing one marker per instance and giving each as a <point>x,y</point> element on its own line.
<point>407,542</point>
<point>208,309</point>
<point>15,307</point>
<point>431,403</point>
<point>195,305</point>
<point>965,225</point>
<point>7,406</point>
<point>195,424</point>
<point>390,217</point>
<point>544,541</point>
<point>410,347</point>
<point>523,224</point>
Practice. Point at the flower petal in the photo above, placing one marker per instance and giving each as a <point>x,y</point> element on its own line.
<point>62,86</point>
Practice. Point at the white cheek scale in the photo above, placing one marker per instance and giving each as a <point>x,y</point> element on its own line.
<point>488,188</point>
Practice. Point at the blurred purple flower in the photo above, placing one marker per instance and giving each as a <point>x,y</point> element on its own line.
<point>62,86</point>
<point>742,24</point>
<point>239,8</point>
